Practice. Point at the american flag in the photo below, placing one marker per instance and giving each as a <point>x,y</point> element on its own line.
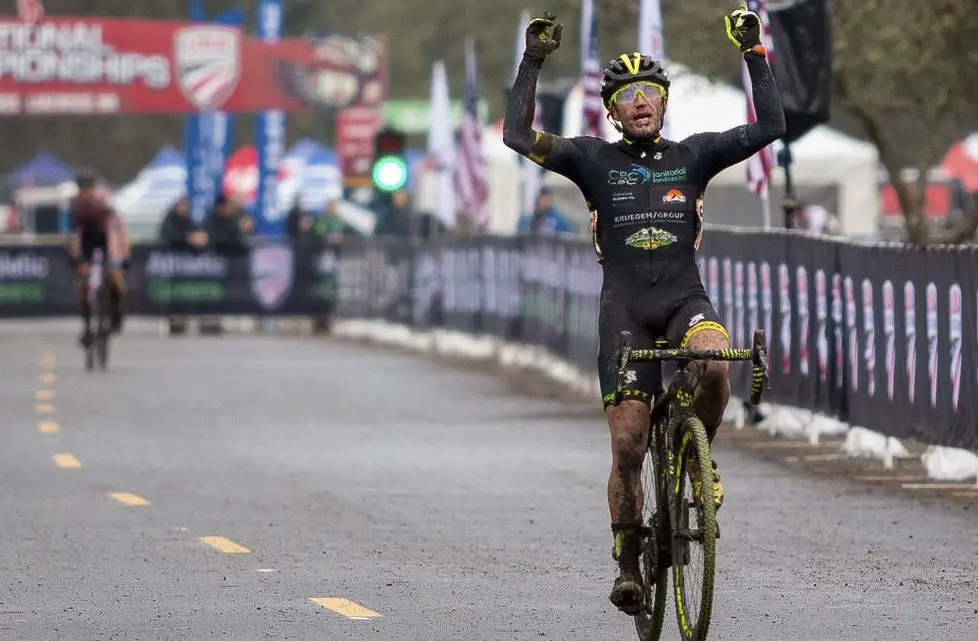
<point>590,73</point>
<point>761,165</point>
<point>471,186</point>
<point>30,11</point>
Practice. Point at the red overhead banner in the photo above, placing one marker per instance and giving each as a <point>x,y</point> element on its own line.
<point>114,65</point>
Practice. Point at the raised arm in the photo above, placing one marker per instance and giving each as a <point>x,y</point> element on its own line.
<point>721,150</point>
<point>545,149</point>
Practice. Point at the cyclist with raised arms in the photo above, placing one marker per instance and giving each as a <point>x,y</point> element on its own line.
<point>646,197</point>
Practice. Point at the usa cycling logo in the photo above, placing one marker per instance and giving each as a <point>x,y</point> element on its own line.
<point>637,175</point>
<point>208,61</point>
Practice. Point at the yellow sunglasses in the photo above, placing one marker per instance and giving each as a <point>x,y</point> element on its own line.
<point>631,91</point>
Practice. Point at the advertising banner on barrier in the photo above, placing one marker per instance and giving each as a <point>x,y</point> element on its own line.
<point>877,336</point>
<point>94,65</point>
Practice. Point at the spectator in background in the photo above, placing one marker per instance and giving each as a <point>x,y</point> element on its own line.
<point>546,218</point>
<point>179,231</point>
<point>298,223</point>
<point>330,226</point>
<point>226,227</point>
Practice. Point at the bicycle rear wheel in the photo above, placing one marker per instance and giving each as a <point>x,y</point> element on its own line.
<point>653,563</point>
<point>694,531</point>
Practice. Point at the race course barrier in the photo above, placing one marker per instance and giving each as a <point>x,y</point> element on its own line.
<point>871,335</point>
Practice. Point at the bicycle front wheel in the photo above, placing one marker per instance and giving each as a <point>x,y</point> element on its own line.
<point>694,531</point>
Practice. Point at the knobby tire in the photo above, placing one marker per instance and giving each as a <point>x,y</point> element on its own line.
<point>692,439</point>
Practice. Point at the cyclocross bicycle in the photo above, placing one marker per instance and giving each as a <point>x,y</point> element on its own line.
<point>100,304</point>
<point>674,525</point>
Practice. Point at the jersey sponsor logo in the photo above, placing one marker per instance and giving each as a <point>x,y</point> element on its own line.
<point>648,217</point>
<point>271,274</point>
<point>674,196</point>
<point>954,308</point>
<point>650,238</point>
<point>636,175</point>
<point>869,336</point>
<point>696,319</point>
<point>669,175</point>
<point>622,196</point>
<point>208,62</point>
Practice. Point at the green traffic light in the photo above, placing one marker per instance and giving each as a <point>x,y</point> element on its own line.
<point>390,173</point>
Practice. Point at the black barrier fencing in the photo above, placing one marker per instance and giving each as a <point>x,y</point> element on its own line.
<point>842,319</point>
<point>273,279</point>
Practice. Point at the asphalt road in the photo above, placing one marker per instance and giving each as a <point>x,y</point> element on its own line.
<point>428,503</point>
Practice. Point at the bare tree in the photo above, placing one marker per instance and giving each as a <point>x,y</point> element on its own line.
<point>908,71</point>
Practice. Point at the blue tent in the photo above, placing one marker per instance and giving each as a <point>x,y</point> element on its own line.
<point>167,156</point>
<point>45,167</point>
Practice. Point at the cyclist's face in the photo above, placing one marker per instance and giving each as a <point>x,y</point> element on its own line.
<point>639,108</point>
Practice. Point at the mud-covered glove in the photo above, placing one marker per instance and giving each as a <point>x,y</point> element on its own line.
<point>744,29</point>
<point>543,36</point>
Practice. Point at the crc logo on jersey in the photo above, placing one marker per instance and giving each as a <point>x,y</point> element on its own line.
<point>727,293</point>
<point>933,357</point>
<point>784,306</point>
<point>910,333</point>
<point>739,303</point>
<point>637,175</point>
<point>889,337</point>
<point>674,196</point>
<point>208,61</point>
<point>271,275</point>
<point>821,320</point>
<point>853,334</point>
<point>957,332</point>
<point>802,303</point>
<point>869,335</point>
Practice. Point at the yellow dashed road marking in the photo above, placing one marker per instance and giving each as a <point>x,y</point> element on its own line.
<point>66,460</point>
<point>48,427</point>
<point>129,499</point>
<point>224,545</point>
<point>44,394</point>
<point>48,377</point>
<point>47,360</point>
<point>44,408</point>
<point>347,608</point>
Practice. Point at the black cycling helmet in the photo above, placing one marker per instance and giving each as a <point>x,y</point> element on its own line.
<point>628,68</point>
<point>86,177</point>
